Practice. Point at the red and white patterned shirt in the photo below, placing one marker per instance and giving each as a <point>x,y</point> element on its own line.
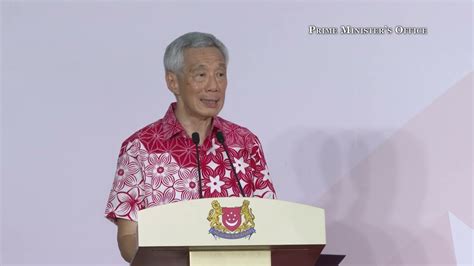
<point>157,165</point>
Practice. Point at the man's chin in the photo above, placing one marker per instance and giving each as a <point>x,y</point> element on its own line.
<point>211,112</point>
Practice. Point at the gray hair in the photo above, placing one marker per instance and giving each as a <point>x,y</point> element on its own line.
<point>174,54</point>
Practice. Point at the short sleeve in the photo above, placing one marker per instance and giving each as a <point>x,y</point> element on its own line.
<point>261,174</point>
<point>127,193</point>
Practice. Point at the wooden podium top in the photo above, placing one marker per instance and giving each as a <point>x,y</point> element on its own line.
<point>231,222</point>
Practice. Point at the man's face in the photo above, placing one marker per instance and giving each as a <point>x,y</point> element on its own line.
<point>200,88</point>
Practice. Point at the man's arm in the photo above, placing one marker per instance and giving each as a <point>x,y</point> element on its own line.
<point>263,185</point>
<point>127,238</point>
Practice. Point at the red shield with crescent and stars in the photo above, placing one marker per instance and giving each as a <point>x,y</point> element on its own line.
<point>231,218</point>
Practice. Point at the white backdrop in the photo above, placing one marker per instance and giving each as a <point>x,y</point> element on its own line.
<point>78,77</point>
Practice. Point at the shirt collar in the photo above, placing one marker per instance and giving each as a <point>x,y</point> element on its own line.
<point>172,127</point>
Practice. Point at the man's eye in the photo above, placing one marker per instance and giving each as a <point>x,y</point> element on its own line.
<point>201,74</point>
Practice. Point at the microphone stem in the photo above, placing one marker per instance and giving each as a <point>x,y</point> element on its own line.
<point>195,138</point>
<point>233,170</point>
<point>199,171</point>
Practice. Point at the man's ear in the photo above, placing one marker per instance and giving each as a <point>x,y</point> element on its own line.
<point>172,82</point>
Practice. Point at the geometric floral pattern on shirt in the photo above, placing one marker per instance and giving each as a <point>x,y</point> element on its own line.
<point>157,165</point>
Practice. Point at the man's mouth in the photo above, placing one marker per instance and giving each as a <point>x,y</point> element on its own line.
<point>211,103</point>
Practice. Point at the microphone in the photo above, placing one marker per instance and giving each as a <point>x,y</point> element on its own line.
<point>220,138</point>
<point>195,137</point>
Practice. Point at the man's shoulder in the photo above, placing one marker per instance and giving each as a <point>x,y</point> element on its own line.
<point>226,126</point>
<point>235,132</point>
<point>152,128</point>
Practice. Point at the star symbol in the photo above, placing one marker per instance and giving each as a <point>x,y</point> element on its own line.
<point>215,184</point>
<point>266,174</point>
<point>213,148</point>
<point>240,165</point>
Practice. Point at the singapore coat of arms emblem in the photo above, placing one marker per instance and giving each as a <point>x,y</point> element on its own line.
<point>226,222</point>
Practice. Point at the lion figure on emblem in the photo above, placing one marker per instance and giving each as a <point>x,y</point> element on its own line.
<point>213,216</point>
<point>248,216</point>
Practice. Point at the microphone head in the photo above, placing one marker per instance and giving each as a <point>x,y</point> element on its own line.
<point>195,137</point>
<point>220,137</point>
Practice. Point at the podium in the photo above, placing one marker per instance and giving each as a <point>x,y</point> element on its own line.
<point>230,232</point>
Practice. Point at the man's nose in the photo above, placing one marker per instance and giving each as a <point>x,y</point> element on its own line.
<point>213,84</point>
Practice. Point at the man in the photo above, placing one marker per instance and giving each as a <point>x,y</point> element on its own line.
<point>158,164</point>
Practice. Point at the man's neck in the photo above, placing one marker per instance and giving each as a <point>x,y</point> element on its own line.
<point>193,124</point>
